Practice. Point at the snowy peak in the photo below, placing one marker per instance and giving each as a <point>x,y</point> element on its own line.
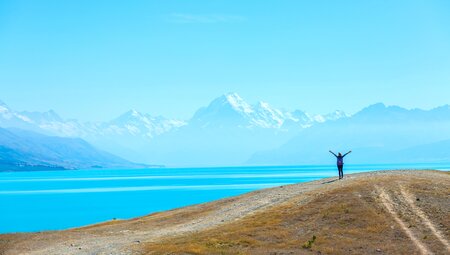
<point>135,123</point>
<point>224,111</point>
<point>4,108</point>
<point>267,116</point>
<point>298,115</point>
<point>319,118</point>
<point>10,118</point>
<point>133,113</point>
<point>129,116</point>
<point>231,110</point>
<point>40,117</point>
<point>227,111</point>
<point>265,108</point>
<point>232,101</point>
<point>37,118</point>
<point>338,114</point>
<point>238,103</point>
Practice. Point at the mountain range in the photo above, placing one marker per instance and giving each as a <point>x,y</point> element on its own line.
<point>226,110</point>
<point>210,137</point>
<point>231,131</point>
<point>376,134</point>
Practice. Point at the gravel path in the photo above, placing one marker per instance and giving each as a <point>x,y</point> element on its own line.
<point>119,242</point>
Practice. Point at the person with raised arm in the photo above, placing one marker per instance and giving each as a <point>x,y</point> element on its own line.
<point>340,163</point>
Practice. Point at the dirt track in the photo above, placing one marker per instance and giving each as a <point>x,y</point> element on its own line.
<point>146,234</point>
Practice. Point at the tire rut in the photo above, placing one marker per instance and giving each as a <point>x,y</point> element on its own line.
<point>425,220</point>
<point>390,206</point>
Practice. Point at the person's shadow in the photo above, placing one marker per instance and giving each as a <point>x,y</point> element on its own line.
<point>330,181</point>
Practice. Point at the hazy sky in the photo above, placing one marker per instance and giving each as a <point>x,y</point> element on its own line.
<point>93,60</point>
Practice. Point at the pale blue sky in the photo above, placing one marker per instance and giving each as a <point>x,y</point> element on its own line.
<point>93,60</point>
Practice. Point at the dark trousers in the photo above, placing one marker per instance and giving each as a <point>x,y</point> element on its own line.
<point>341,171</point>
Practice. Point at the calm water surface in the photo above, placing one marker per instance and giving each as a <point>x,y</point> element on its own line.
<point>36,201</point>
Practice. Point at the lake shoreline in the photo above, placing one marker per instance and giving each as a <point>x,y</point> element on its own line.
<point>126,236</point>
<point>74,198</point>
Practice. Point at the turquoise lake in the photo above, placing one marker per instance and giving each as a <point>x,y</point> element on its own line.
<point>37,201</point>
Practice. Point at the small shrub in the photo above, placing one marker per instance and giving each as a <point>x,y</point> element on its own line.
<point>309,243</point>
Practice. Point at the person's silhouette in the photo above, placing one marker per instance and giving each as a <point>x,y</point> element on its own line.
<point>340,163</point>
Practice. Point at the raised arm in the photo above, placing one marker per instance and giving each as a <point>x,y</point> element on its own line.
<point>333,153</point>
<point>347,153</point>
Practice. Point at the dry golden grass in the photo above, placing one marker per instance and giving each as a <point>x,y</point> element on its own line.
<point>346,220</point>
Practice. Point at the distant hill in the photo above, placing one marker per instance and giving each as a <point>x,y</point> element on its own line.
<point>26,150</point>
<point>376,134</point>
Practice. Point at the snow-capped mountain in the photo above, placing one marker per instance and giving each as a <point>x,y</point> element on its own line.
<point>267,116</point>
<point>40,117</point>
<point>4,108</point>
<point>49,123</point>
<point>10,118</point>
<point>227,132</point>
<point>231,110</point>
<point>130,123</point>
<point>227,123</point>
<point>227,110</point>
<point>135,123</point>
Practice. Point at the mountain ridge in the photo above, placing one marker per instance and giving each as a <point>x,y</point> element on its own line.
<point>22,150</point>
<point>231,131</point>
<point>376,134</point>
<point>136,136</point>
